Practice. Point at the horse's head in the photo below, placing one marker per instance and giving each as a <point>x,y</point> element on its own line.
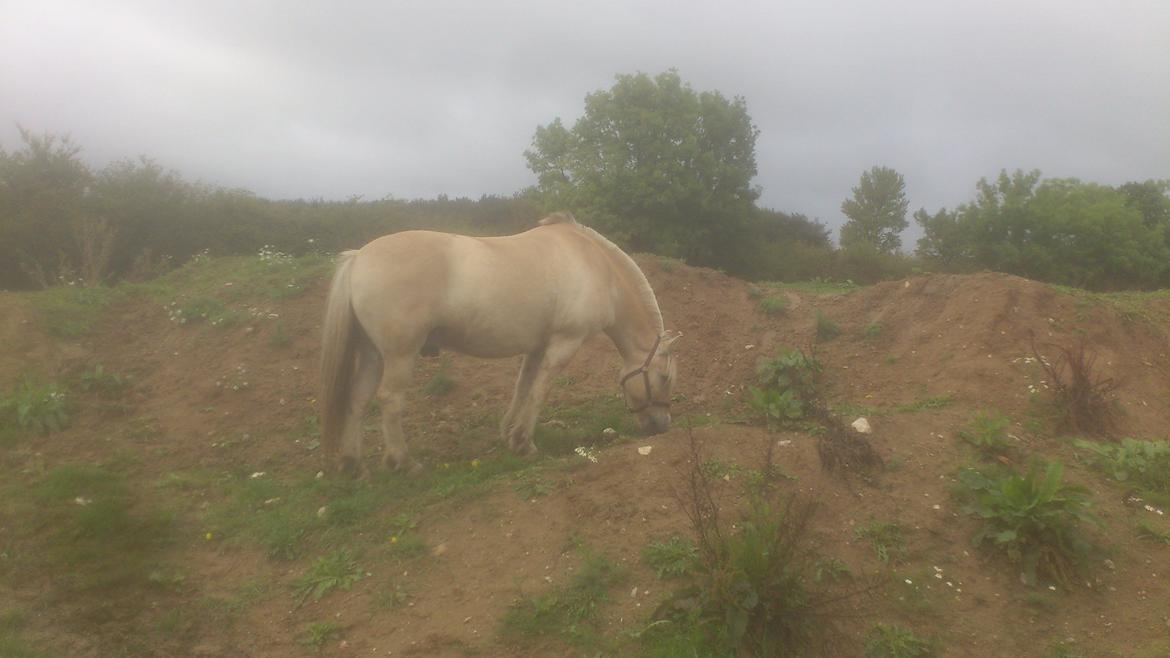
<point>647,386</point>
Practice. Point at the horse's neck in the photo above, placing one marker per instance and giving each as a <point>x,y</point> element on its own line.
<point>634,331</point>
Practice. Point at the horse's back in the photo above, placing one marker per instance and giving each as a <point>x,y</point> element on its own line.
<point>495,296</point>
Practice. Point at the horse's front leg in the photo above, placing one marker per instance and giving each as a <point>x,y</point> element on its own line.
<point>528,368</point>
<point>526,410</point>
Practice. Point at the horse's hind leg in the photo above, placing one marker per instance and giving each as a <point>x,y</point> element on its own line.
<point>396,377</point>
<point>365,381</point>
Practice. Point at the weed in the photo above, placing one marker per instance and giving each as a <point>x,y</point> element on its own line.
<point>338,570</point>
<point>988,433</point>
<point>530,485</point>
<point>106,384</point>
<point>279,336</point>
<point>885,537</point>
<point>202,309</point>
<point>39,408</point>
<point>1150,533</point>
<point>929,403</point>
<point>392,596</point>
<point>755,292</point>
<point>441,383</point>
<point>1145,464</point>
<point>771,306</point>
<point>790,382</point>
<point>1084,401</point>
<point>872,331</point>
<point>317,634</point>
<point>830,569</point>
<point>1034,518</point>
<point>570,611</point>
<point>827,329</point>
<point>753,591</point>
<point>895,642</point>
<point>1063,650</point>
<point>676,556</point>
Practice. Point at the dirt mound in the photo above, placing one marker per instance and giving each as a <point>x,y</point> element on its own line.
<point>917,356</point>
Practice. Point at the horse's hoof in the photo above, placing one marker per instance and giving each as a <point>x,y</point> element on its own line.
<point>351,467</point>
<point>408,466</point>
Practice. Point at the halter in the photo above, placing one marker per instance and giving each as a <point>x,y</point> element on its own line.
<point>642,370</point>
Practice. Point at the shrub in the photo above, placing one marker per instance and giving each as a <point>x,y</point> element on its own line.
<point>1033,518</point>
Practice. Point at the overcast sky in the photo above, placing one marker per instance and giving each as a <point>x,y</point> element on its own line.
<point>420,98</point>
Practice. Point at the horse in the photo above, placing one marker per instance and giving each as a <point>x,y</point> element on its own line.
<point>538,294</point>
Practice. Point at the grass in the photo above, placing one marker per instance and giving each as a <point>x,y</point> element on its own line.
<point>772,306</point>
<point>895,641</point>
<point>886,537</point>
<point>88,526</point>
<point>929,403</point>
<point>1150,533</point>
<point>318,634</point>
<point>827,329</point>
<point>71,311</point>
<point>441,383</point>
<point>337,570</point>
<point>566,428</point>
<point>103,383</point>
<point>872,331</point>
<point>815,286</point>
<point>281,515</point>
<point>670,558</point>
<point>569,612</point>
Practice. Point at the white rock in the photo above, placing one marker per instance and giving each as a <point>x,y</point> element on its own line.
<point>645,450</point>
<point>862,426</point>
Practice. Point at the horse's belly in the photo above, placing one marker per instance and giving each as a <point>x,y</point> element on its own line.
<point>484,342</point>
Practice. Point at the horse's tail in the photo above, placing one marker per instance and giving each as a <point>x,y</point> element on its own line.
<point>339,337</point>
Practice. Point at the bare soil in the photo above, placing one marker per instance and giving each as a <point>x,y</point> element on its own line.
<point>961,339</point>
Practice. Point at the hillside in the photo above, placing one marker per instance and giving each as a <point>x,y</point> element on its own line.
<point>179,513</point>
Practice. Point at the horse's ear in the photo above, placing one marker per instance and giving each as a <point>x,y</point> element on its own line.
<point>668,338</point>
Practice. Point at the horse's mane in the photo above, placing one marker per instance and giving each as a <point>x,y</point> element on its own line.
<point>620,257</point>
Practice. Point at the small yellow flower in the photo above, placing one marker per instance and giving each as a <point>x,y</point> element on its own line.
<point>475,463</point>
<point>207,536</point>
<point>393,539</point>
<point>446,465</point>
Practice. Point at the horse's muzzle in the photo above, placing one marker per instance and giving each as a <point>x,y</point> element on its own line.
<point>654,422</point>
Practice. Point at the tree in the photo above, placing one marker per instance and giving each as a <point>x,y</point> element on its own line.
<point>1058,230</point>
<point>656,165</point>
<point>877,211</point>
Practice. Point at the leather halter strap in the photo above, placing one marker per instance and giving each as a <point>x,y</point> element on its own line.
<point>644,371</point>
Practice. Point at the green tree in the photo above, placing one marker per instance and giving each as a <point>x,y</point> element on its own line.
<point>656,165</point>
<point>877,211</point>
<point>1058,230</point>
<point>43,194</point>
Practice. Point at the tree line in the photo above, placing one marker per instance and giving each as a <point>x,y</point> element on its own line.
<point>652,163</point>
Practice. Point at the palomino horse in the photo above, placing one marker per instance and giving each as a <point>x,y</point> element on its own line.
<point>539,294</point>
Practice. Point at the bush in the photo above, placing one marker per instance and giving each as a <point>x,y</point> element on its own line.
<point>790,383</point>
